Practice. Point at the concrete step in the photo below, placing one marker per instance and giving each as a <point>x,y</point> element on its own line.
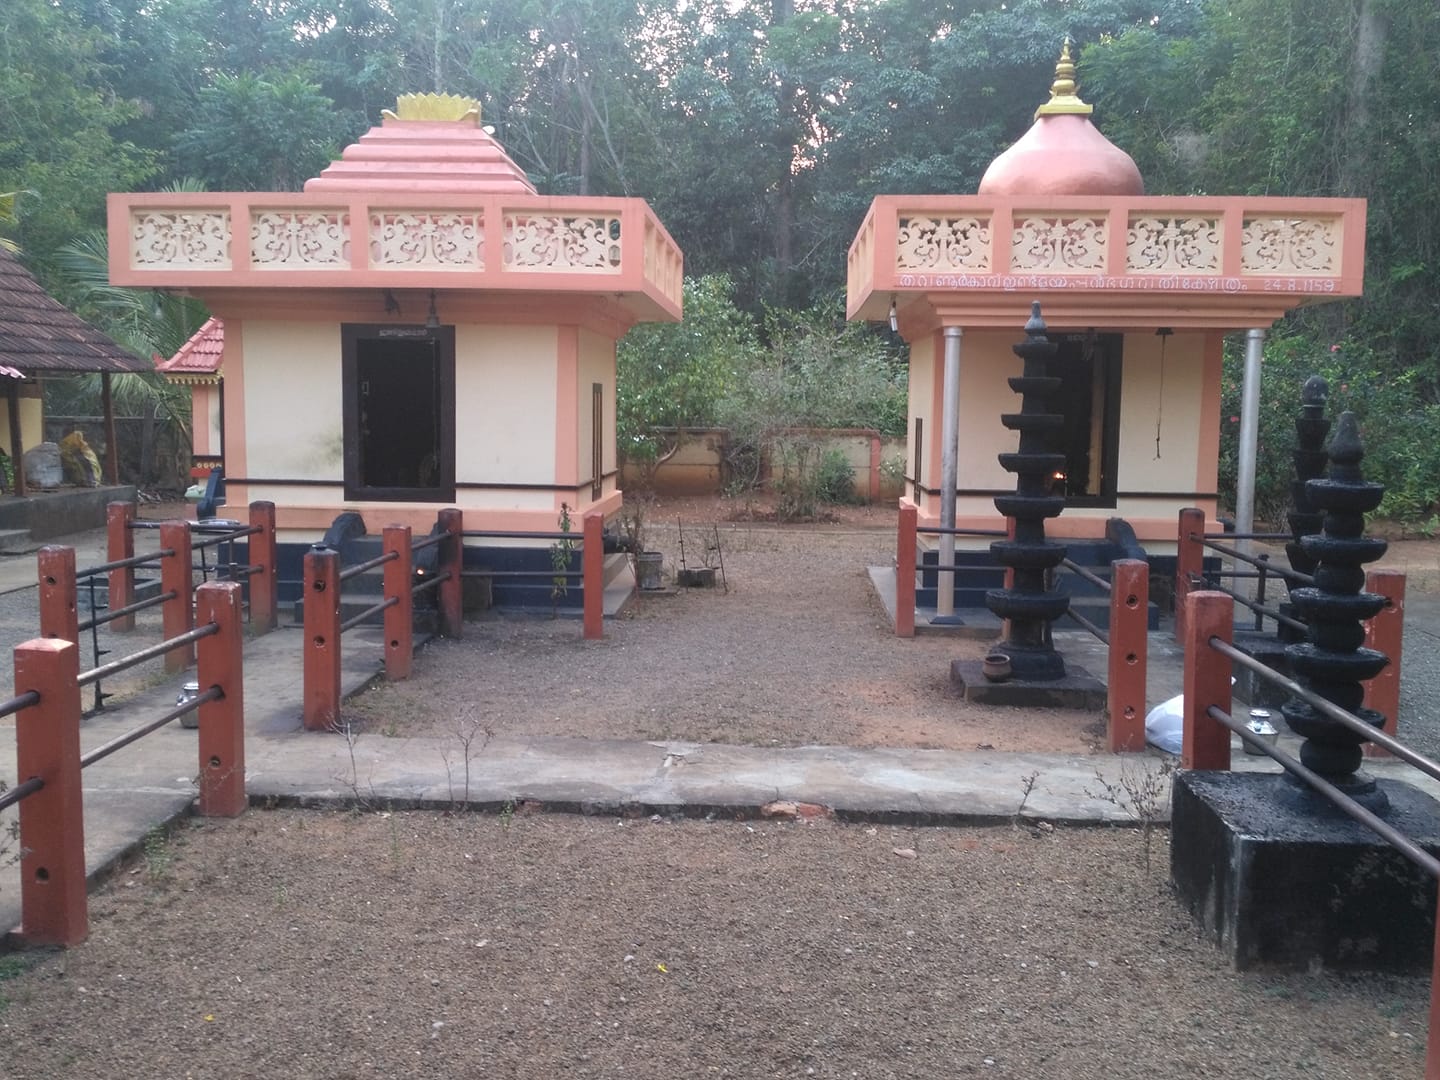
<point>17,542</point>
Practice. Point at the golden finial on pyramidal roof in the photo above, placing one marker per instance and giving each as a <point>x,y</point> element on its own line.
<point>1063,99</point>
<point>434,107</point>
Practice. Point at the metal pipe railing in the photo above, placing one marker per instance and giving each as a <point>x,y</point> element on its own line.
<point>1328,709</point>
<point>104,671</point>
<point>186,707</point>
<point>1343,802</point>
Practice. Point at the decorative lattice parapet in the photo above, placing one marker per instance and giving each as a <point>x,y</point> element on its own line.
<point>611,247</point>
<point>1028,605</point>
<point>1173,245</point>
<point>1332,663</point>
<point>180,239</point>
<point>585,244</point>
<point>1059,244</point>
<point>1310,459</point>
<point>427,239</point>
<point>1188,262</point>
<point>299,239</point>
<point>1291,246</point>
<point>943,243</point>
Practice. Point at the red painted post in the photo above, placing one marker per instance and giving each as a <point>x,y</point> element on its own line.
<point>177,615</point>
<point>264,582</point>
<point>222,722</point>
<point>1207,679</point>
<point>58,615</point>
<point>451,558</point>
<point>1129,638</point>
<point>321,709</point>
<point>399,616</point>
<point>120,544</point>
<point>52,821</point>
<point>1385,632</point>
<point>905,569</point>
<point>592,587</point>
<point>1189,560</point>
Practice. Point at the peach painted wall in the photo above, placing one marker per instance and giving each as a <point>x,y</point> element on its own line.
<point>205,419</point>
<point>293,412</point>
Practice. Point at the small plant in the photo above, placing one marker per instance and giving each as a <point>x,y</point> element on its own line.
<point>469,729</point>
<point>507,813</point>
<point>1027,785</point>
<point>157,855</point>
<point>1141,792</point>
<point>561,553</point>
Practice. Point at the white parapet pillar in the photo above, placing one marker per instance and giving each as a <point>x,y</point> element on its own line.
<point>949,470</point>
<point>1249,435</point>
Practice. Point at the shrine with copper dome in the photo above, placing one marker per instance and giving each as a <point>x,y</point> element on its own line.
<point>1138,290</point>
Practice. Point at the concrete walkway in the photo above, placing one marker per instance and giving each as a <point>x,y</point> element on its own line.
<point>141,787</point>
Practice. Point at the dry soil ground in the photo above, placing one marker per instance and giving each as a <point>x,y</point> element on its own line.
<point>374,944</point>
<point>310,944</point>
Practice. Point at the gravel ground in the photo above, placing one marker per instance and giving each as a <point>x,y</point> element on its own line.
<point>797,652</point>
<point>316,944</point>
<point>373,944</point>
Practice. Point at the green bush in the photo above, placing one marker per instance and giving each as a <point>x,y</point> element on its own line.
<point>1397,422</point>
<point>834,479</point>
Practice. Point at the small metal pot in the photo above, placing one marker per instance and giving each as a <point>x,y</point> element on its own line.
<point>189,692</point>
<point>1260,725</point>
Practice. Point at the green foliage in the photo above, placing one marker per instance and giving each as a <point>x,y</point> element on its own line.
<point>1396,418</point>
<point>819,373</point>
<point>671,377</point>
<point>254,133</point>
<point>561,553</point>
<point>58,120</point>
<point>834,479</point>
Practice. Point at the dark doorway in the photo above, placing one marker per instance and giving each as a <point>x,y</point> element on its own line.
<point>399,399</point>
<point>1088,366</point>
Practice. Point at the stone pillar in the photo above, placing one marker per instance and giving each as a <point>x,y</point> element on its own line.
<point>1333,662</point>
<point>1310,458</point>
<point>1028,605</point>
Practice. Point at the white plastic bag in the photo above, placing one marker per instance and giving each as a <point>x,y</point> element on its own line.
<point>1165,725</point>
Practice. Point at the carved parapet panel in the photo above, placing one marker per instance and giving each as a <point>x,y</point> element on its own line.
<point>1275,246</point>
<point>860,266</point>
<point>662,263</point>
<point>942,243</point>
<point>1170,245</point>
<point>427,240</point>
<point>299,239</point>
<point>560,243</point>
<point>1059,244</point>
<point>184,239</point>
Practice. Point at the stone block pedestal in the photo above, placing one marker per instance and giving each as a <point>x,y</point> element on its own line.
<point>1077,689</point>
<point>1276,885</point>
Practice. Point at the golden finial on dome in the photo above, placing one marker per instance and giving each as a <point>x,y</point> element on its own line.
<point>1063,99</point>
<point>434,107</point>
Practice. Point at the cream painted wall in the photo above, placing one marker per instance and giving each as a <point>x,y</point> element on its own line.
<point>922,375</point>
<point>985,363</point>
<point>505,405</point>
<point>597,365</point>
<point>1179,412</point>
<point>32,422</point>
<point>292,400</point>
